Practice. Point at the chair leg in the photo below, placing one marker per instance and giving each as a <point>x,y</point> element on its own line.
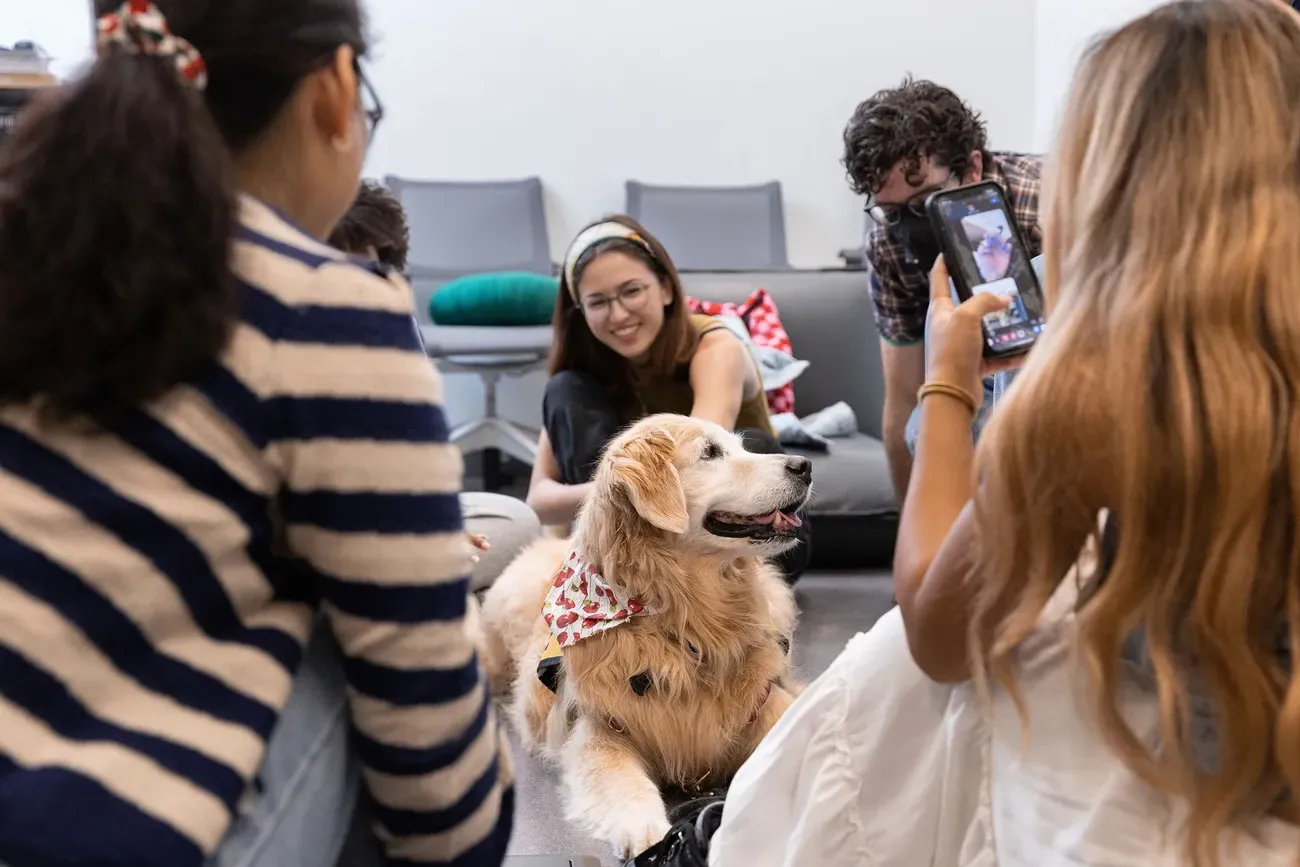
<point>494,436</point>
<point>493,478</point>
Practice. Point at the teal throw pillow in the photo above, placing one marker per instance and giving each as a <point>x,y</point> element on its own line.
<point>501,298</point>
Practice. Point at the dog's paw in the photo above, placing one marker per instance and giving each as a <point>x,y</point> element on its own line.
<point>638,832</point>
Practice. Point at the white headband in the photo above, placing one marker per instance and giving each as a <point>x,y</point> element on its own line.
<point>591,236</point>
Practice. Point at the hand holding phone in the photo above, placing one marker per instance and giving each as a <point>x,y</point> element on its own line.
<point>986,255</point>
<point>954,336</point>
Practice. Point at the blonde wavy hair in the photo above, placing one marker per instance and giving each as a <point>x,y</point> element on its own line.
<point>1167,389</point>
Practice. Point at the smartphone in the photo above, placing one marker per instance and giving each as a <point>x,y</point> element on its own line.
<point>985,252</point>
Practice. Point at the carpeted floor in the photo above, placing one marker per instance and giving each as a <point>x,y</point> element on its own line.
<point>834,606</point>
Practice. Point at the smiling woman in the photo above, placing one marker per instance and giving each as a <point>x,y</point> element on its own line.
<point>626,347</point>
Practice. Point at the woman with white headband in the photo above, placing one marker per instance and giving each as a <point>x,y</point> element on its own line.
<point>626,347</point>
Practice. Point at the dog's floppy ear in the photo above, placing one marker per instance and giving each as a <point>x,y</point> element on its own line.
<point>644,469</point>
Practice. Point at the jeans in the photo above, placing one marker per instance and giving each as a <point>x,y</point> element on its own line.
<point>580,418</point>
<point>994,387</point>
<point>309,780</point>
<point>508,524</point>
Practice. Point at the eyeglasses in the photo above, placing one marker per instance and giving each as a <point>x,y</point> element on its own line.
<point>370,104</point>
<point>890,215</point>
<point>631,297</point>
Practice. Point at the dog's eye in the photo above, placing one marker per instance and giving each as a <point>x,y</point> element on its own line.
<point>712,451</point>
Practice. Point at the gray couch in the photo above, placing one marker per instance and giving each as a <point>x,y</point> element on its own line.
<point>829,319</point>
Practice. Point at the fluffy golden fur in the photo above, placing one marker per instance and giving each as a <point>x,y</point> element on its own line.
<point>714,651</point>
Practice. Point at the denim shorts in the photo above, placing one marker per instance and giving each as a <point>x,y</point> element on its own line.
<point>991,393</point>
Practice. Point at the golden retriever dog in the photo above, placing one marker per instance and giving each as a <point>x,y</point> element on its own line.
<point>671,628</point>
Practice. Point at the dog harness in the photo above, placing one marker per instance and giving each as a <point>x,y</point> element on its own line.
<point>579,604</point>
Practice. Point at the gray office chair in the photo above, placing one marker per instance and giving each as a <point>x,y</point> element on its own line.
<point>467,227</point>
<point>715,228</point>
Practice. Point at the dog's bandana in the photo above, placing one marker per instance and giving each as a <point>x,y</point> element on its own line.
<point>581,603</point>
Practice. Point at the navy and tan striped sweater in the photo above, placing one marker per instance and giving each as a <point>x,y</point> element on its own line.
<point>157,585</point>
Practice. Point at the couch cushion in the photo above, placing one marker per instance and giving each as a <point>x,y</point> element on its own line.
<point>828,317</point>
<point>852,479</point>
<point>506,298</point>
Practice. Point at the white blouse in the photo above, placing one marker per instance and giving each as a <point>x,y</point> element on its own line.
<point>877,766</point>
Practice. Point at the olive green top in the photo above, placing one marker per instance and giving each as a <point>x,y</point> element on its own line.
<point>673,393</point>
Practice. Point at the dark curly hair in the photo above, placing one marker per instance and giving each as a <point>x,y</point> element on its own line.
<point>118,205</point>
<point>911,122</point>
<point>375,221</point>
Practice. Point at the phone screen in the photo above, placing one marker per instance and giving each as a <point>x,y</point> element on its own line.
<point>984,253</point>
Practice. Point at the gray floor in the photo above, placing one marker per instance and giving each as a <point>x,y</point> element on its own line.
<point>833,608</point>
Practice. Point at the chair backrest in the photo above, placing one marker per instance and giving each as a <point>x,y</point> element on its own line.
<point>467,227</point>
<point>715,228</point>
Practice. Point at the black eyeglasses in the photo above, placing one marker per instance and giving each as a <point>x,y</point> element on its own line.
<point>890,215</point>
<point>370,104</point>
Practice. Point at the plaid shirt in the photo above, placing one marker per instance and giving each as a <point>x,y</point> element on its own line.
<point>900,286</point>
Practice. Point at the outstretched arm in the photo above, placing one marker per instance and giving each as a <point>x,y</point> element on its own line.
<point>722,374</point>
<point>554,502</point>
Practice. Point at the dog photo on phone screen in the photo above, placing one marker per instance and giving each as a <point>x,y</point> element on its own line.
<point>989,239</point>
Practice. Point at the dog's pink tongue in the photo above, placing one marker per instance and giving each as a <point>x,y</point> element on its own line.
<point>780,519</point>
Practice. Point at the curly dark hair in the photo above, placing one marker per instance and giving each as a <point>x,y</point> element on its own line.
<point>118,205</point>
<point>911,122</point>
<point>375,220</point>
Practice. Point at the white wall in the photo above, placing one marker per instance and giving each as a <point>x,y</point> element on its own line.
<point>588,93</point>
<point>61,27</point>
<point>1064,28</point>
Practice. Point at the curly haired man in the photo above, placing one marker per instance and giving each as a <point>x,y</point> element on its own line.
<point>901,145</point>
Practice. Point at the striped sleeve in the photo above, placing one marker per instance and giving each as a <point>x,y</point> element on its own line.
<point>370,501</point>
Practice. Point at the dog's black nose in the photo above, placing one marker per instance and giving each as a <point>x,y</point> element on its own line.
<point>799,467</point>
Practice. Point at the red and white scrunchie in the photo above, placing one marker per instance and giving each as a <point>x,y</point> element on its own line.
<point>139,27</point>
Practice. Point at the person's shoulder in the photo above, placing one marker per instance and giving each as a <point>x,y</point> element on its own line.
<point>282,266</point>
<point>263,229</point>
<point>1021,175</point>
<point>702,322</point>
<point>708,327</point>
<point>1016,165</point>
<point>885,254</point>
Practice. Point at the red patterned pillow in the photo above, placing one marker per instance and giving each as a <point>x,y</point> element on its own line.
<point>761,318</point>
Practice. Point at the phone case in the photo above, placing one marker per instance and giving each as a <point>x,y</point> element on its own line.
<point>964,291</point>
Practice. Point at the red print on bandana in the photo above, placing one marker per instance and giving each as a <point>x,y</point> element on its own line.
<point>581,603</point>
